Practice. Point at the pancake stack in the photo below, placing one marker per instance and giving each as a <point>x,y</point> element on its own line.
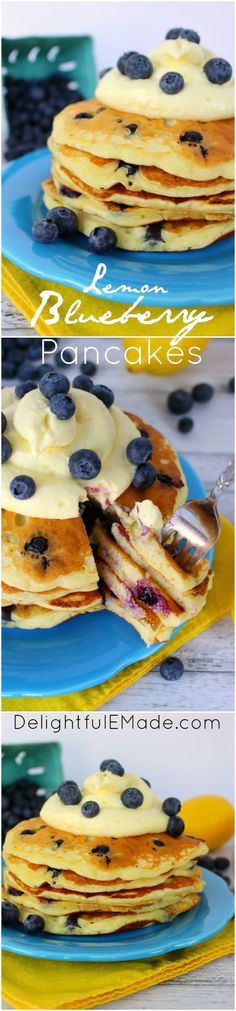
<point>152,167</point>
<point>75,883</point>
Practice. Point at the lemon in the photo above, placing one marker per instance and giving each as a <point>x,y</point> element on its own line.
<point>210,818</point>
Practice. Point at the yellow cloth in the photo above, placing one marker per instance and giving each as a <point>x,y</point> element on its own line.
<point>28,984</point>
<point>219,603</point>
<point>24,289</point>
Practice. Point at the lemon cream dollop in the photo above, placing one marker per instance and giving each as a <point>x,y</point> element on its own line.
<point>113,819</point>
<point>42,445</point>
<point>198,99</point>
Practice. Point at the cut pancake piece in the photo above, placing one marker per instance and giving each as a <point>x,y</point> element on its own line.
<point>46,554</point>
<point>188,589</point>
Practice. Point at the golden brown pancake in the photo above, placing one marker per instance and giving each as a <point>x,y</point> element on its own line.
<point>67,561</point>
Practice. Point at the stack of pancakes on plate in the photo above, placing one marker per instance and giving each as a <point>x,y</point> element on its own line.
<point>158,184</point>
<point>88,884</point>
<point>48,571</point>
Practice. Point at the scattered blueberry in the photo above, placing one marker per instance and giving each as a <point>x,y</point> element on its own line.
<point>122,60</point>
<point>90,809</point>
<point>207,862</point>
<point>202,392</point>
<point>37,545</point>
<point>83,383</point>
<point>171,806</point>
<point>45,231</point>
<point>4,422</point>
<point>137,67</point>
<point>10,914</point>
<point>132,797</point>
<point>183,33</point>
<point>179,402</point>
<point>64,219</point>
<point>110,765</point>
<point>171,83</point>
<point>6,449</point>
<point>101,239</point>
<point>69,792</point>
<point>88,368</point>
<point>84,464</point>
<point>62,406</point>
<point>221,863</point>
<point>139,450</point>
<point>52,383</point>
<point>105,394</point>
<point>172,668</point>
<point>22,388</point>
<point>217,71</point>
<point>25,371</point>
<point>230,386</point>
<point>22,487</point>
<point>144,476</point>
<point>175,826</point>
<point>185,425</point>
<point>33,924</point>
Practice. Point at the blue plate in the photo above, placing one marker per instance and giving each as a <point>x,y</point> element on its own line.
<point>80,653</point>
<point>215,909</point>
<point>197,277</point>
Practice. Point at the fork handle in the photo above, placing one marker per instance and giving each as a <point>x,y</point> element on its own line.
<point>224,481</point>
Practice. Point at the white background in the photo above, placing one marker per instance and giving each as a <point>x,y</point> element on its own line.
<point>178,762</point>
<point>119,26</point>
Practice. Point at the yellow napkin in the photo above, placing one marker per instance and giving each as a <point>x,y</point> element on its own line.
<point>82,985</point>
<point>24,289</point>
<point>219,603</point>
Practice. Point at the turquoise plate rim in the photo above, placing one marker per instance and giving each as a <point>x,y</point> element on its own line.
<point>216,907</point>
<point>124,645</point>
<point>193,278</point>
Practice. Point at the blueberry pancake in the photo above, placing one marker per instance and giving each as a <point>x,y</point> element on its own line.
<point>135,868</point>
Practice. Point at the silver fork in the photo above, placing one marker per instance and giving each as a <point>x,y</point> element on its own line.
<point>195,526</point>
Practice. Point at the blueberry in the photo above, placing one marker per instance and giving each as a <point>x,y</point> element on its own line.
<point>202,392</point>
<point>110,765</point>
<point>90,809</point>
<point>132,797</point>
<point>8,369</point>
<point>10,914</point>
<point>6,449</point>
<point>179,402</point>
<point>72,920</point>
<point>14,891</point>
<point>88,368</point>
<point>185,425</point>
<point>139,450</point>
<point>144,476</point>
<point>191,137</point>
<point>102,239</point>
<point>45,231</point>
<point>24,342</point>
<point>175,826</point>
<point>221,863</point>
<point>64,219</point>
<point>137,67</point>
<point>183,33</point>
<point>25,371</point>
<point>84,464</point>
<point>84,115</point>
<point>130,168</point>
<point>69,358</point>
<point>33,924</point>
<point>62,406</point>
<point>207,862</point>
<point>28,831</point>
<point>83,383</point>
<point>230,387</point>
<point>66,191</point>
<point>122,60</point>
<point>171,806</point>
<point>35,349</point>
<point>6,612</point>
<point>37,545</point>
<point>153,232</point>
<point>69,792</point>
<point>52,383</point>
<point>147,784</point>
<point>171,83</point>
<point>103,72</point>
<point>105,394</point>
<point>4,422</point>
<point>217,71</point>
<point>226,879</point>
<point>23,388</point>
<point>22,487</point>
<point>172,668</point>
<point>101,850</point>
<point>147,596</point>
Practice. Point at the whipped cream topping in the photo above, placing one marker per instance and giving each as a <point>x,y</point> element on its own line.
<point>114,818</point>
<point>198,100</point>
<point>42,445</point>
